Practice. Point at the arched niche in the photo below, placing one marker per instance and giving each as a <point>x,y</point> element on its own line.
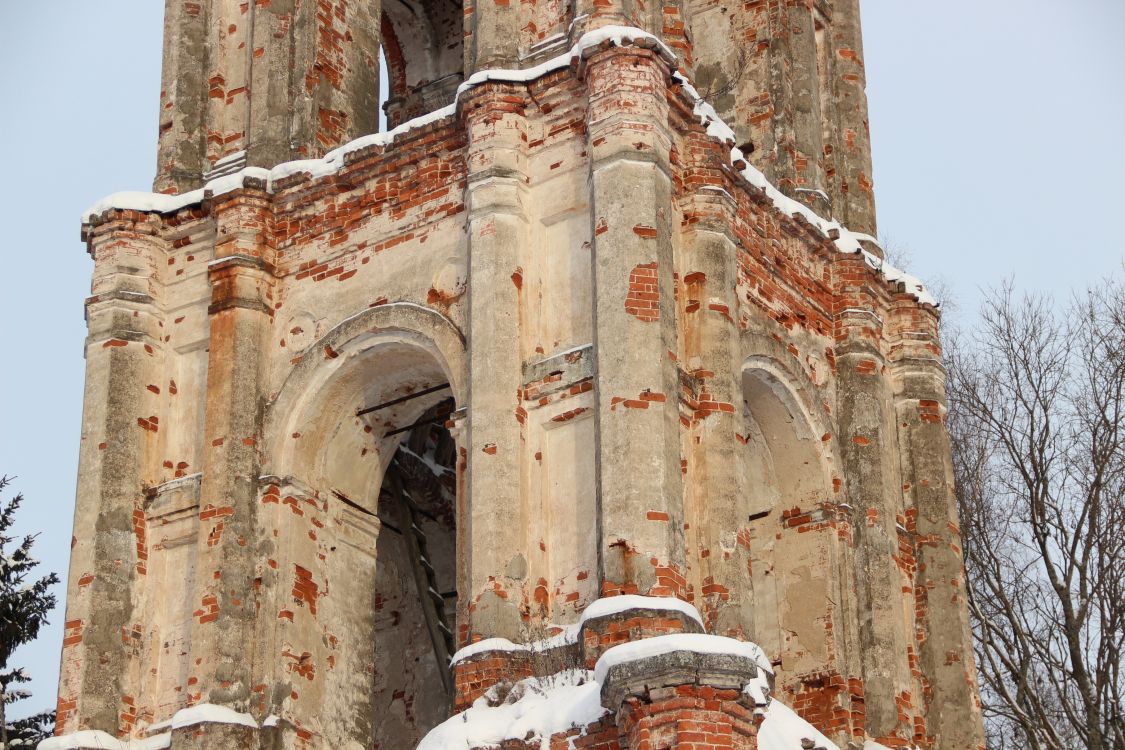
<point>797,561</point>
<point>423,45</point>
<point>361,451</point>
<point>787,466</point>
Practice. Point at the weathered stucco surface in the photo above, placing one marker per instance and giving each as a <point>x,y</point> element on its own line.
<point>656,382</point>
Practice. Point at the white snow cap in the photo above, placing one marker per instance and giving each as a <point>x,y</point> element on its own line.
<point>535,709</point>
<point>603,607</point>
<point>202,713</point>
<point>333,161</point>
<point>209,713</point>
<point>665,644</point>
<point>93,738</point>
<point>611,605</point>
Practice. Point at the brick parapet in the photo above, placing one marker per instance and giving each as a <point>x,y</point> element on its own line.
<point>684,700</point>
<point>474,675</point>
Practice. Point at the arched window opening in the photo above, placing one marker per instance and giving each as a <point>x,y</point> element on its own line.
<point>416,576</point>
<point>384,90</point>
<point>423,43</point>
<point>368,443</point>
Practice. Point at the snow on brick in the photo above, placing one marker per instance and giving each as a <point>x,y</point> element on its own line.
<point>603,607</point>
<point>666,644</point>
<point>333,161</point>
<point>533,710</point>
<point>783,729</point>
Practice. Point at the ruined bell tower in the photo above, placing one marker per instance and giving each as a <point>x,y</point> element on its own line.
<point>521,423</point>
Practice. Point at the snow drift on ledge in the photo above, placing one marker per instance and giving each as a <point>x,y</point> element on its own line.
<point>537,708</point>
<point>533,709</point>
<point>846,241</point>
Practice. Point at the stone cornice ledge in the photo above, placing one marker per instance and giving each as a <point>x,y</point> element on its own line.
<point>203,713</point>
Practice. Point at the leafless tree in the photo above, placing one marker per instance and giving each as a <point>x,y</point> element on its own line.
<point>1037,419</point>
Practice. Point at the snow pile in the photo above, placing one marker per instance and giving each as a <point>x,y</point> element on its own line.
<point>666,644</point>
<point>92,738</point>
<point>846,241</point>
<point>534,709</point>
<point>186,717</point>
<point>603,607</point>
<point>783,729</point>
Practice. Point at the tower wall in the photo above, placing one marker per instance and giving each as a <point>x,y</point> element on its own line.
<point>257,84</point>
<point>460,385</point>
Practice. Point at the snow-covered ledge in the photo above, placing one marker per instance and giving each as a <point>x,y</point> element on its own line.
<point>604,607</point>
<point>89,739</point>
<point>160,734</point>
<point>844,239</point>
<point>714,660</point>
<point>570,703</point>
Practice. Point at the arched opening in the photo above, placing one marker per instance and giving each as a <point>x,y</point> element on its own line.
<point>794,548</point>
<point>416,574</point>
<point>369,443</point>
<point>423,49</point>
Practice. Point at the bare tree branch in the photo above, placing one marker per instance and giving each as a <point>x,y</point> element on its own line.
<point>1037,422</point>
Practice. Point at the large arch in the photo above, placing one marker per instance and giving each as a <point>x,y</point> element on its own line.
<point>359,448</point>
<point>799,562</point>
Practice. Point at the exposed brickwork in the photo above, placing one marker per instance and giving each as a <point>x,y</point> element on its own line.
<point>644,294</point>
<point>658,384</point>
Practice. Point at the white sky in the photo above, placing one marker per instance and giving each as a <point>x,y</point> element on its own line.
<point>996,125</point>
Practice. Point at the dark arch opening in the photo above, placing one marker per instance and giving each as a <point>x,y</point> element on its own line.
<point>375,653</point>
<point>423,49</point>
<point>416,577</point>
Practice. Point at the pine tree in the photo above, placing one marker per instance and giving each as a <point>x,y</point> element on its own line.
<point>24,604</point>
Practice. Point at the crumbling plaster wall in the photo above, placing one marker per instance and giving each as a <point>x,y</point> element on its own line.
<point>664,386</point>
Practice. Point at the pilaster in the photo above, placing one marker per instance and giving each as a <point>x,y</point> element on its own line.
<point>851,188</point>
<point>492,34</point>
<point>120,426</point>
<point>183,97</point>
<point>944,660</point>
<point>262,83</point>
<point>498,235</point>
<point>224,657</point>
<point>637,381</point>
<point>868,446</point>
<point>808,119</point>
<point>710,396</point>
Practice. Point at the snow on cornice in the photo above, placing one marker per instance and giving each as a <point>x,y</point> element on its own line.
<point>696,643</point>
<point>201,713</point>
<point>604,607</point>
<point>846,241</point>
<point>94,738</point>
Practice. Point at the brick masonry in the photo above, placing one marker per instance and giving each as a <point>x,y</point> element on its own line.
<point>659,384</point>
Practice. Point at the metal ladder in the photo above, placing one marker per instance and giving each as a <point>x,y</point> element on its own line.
<point>408,516</point>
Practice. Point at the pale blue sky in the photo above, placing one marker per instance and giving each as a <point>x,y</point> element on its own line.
<point>996,125</point>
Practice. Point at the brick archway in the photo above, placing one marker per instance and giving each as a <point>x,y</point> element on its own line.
<point>362,499</point>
